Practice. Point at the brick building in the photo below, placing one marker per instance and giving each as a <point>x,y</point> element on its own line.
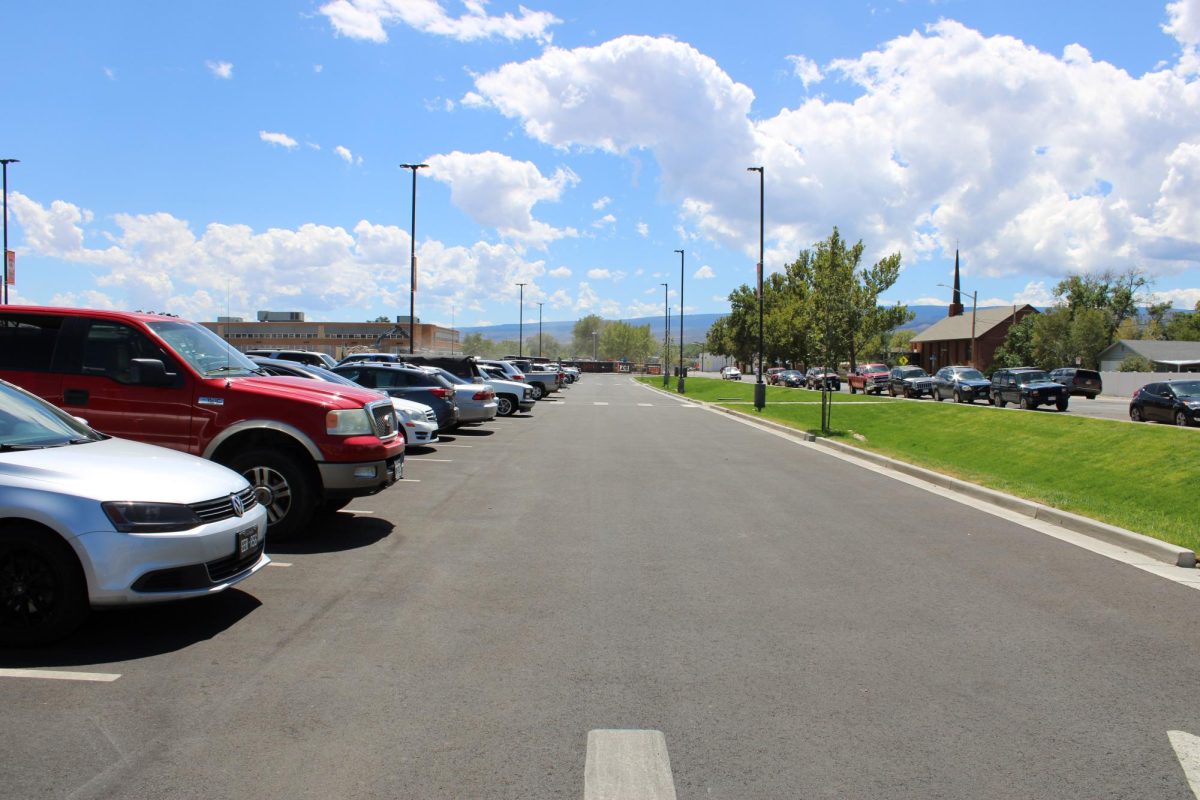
<point>335,338</point>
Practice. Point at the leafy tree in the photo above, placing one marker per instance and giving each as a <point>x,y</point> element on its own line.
<point>1089,336</point>
<point>1017,349</point>
<point>620,340</point>
<point>1136,364</point>
<point>473,344</point>
<point>551,347</point>
<point>1184,326</point>
<point>381,318</point>
<point>581,334</point>
<point>1051,338</point>
<point>1116,294</point>
<point>900,339</point>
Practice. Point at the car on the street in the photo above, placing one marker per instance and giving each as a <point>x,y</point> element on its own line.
<point>1027,387</point>
<point>409,382</point>
<point>731,374</point>
<point>511,396</point>
<point>1086,382</point>
<point>964,384</point>
<point>310,357</point>
<point>1177,402</point>
<point>772,375</point>
<point>818,377</point>
<point>869,378</point>
<point>88,520</point>
<point>790,377</point>
<point>909,381</point>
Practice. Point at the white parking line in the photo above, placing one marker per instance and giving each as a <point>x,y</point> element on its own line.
<point>443,444</point>
<point>280,564</point>
<point>627,765</point>
<point>599,404</point>
<point>1187,750</point>
<point>58,675</point>
<point>422,458</point>
<point>357,511</point>
<point>646,405</point>
<point>409,480</point>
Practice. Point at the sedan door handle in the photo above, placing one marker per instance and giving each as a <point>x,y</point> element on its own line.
<point>75,397</point>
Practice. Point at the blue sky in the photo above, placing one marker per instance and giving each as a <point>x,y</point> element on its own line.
<point>200,158</point>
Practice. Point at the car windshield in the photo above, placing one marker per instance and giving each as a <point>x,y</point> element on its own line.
<point>970,375</point>
<point>1032,377</point>
<point>912,372</point>
<point>450,376</point>
<point>1186,388</point>
<point>207,353</point>
<point>29,423</point>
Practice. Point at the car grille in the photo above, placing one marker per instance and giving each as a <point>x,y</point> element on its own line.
<point>225,568</point>
<point>431,416</point>
<point>383,419</point>
<point>222,507</point>
<point>881,380</point>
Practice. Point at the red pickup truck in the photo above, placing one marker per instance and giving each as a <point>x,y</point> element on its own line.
<point>305,446</point>
<point>869,378</point>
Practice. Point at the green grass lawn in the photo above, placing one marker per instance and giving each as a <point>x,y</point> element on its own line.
<point>1139,477</point>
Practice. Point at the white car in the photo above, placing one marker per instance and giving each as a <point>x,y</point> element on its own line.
<point>418,420</point>
<point>87,520</point>
<point>730,374</point>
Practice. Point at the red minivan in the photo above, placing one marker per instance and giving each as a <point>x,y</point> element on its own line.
<point>305,446</point>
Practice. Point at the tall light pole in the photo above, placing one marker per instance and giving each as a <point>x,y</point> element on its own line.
<point>521,323</point>
<point>760,388</point>
<point>666,330</point>
<point>5,162</point>
<point>679,386</point>
<point>539,330</point>
<point>974,297</point>
<point>412,275</point>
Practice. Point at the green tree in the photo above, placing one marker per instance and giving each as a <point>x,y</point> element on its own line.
<point>550,347</point>
<point>1017,348</point>
<point>1136,364</point>
<point>622,341</point>
<point>1184,326</point>
<point>1050,338</point>
<point>1118,295</point>
<point>473,344</point>
<point>581,334</point>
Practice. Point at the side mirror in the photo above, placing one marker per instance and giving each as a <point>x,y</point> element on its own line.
<point>149,372</point>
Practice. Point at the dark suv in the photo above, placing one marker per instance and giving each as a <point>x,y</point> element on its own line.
<point>1028,388</point>
<point>910,382</point>
<point>964,384</point>
<point>1079,381</point>
<point>411,383</point>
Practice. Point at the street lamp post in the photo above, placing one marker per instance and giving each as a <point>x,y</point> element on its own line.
<point>5,162</point>
<point>412,275</point>
<point>974,298</point>
<point>539,330</point>
<point>760,388</point>
<point>521,322</point>
<point>679,386</point>
<point>666,331</point>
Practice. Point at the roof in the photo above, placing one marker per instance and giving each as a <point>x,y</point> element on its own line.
<point>959,327</point>
<point>1162,352</point>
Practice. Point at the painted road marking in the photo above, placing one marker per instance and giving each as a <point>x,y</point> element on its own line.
<point>599,404</point>
<point>357,511</point>
<point>1187,750</point>
<point>280,564</point>
<point>439,460</point>
<point>409,480</point>
<point>58,675</point>
<point>627,765</point>
<point>443,444</point>
<point>646,405</point>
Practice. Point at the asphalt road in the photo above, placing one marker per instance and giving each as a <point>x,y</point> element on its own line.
<point>795,626</point>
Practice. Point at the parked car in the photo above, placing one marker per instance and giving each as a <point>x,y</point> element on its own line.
<point>162,380</point>
<point>511,396</point>
<point>818,377</point>
<point>1086,382</point>
<point>1170,401</point>
<point>790,377</point>
<point>573,374</point>
<point>1027,387</point>
<point>384,358</point>
<point>730,374</point>
<point>507,367</point>
<point>418,423</point>
<point>909,381</point>
<point>475,399</point>
<point>772,375</point>
<point>411,383</point>
<point>869,379</point>
<point>88,520</point>
<point>964,384</point>
<point>310,357</point>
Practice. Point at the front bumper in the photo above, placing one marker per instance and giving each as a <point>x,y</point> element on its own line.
<point>360,479</point>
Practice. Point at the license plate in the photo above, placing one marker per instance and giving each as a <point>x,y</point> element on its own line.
<point>396,469</point>
<point>248,541</point>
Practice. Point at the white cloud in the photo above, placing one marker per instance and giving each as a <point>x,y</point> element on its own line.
<point>560,299</point>
<point>318,68</point>
<point>704,273</point>
<point>1179,298</point>
<point>281,139</point>
<point>220,69</point>
<point>639,308</point>
<point>607,221</point>
<point>643,229</point>
<point>500,192</point>
<point>806,70</point>
<point>599,274</point>
<point>559,272</point>
<point>601,203</point>
<point>366,19</point>
<point>1184,22</point>
<point>344,154</point>
<point>585,297</point>
<point>110,73</point>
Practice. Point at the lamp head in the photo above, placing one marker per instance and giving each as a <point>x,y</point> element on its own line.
<point>413,167</point>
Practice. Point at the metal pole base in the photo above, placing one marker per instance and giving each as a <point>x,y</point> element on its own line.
<point>679,386</point>
<point>760,395</point>
<point>666,379</point>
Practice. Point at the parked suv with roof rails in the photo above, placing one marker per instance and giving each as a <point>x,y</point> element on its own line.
<point>1086,382</point>
<point>1027,387</point>
<point>409,382</point>
<point>303,446</point>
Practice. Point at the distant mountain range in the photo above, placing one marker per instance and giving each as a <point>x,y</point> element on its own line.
<point>695,326</point>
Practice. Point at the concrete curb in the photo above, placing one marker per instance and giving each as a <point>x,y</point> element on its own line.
<point>1121,537</point>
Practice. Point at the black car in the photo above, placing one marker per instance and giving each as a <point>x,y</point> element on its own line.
<point>790,377</point>
<point>1028,388</point>
<point>964,384</point>
<point>1170,401</point>
<point>411,383</point>
<point>909,381</point>
<point>1086,382</point>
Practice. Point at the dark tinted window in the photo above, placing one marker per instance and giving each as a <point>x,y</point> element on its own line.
<point>109,347</point>
<point>27,341</point>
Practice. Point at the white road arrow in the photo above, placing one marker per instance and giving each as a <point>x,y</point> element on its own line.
<point>1187,749</point>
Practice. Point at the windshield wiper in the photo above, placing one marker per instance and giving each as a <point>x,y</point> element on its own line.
<point>8,448</point>
<point>216,370</point>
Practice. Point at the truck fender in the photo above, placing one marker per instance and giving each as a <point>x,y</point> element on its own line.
<point>264,424</point>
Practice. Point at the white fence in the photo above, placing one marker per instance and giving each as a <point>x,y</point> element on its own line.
<point>1124,384</point>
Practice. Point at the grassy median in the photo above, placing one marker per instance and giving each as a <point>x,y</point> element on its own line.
<point>1140,477</point>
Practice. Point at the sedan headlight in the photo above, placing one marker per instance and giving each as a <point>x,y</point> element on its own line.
<point>348,422</point>
<point>129,517</point>
<point>1193,404</point>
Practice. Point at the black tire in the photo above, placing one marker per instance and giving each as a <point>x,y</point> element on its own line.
<point>1136,415</point>
<point>957,396</point>
<point>1000,401</point>
<point>892,390</point>
<point>853,390</point>
<point>1061,405</point>
<point>506,406</point>
<point>936,395</point>
<point>282,485</point>
<point>1181,419</point>
<point>908,393</point>
<point>1024,403</point>
<point>539,391</point>
<point>43,594</point>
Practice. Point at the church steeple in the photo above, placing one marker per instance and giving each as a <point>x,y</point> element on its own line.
<point>956,306</point>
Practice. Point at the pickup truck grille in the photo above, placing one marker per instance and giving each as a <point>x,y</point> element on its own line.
<point>880,380</point>
<point>383,419</point>
<point>222,507</point>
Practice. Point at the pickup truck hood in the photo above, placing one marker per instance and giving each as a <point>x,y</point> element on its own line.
<point>331,395</point>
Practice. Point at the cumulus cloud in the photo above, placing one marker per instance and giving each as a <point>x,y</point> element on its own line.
<point>559,272</point>
<point>806,70</point>
<point>345,155</point>
<point>281,139</point>
<point>1183,22</point>
<point>601,203</point>
<point>366,19</point>
<point>704,273</point>
<point>643,229</point>
<point>110,73</point>
<point>220,69</point>
<point>499,192</point>
<point>607,221</point>
<point>599,274</point>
